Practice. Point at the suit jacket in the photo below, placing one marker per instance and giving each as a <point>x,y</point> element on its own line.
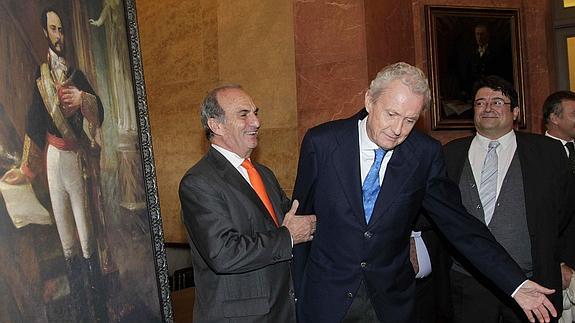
<point>548,190</point>
<point>240,258</point>
<point>347,250</point>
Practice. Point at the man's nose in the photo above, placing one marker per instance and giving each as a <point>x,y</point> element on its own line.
<point>396,126</point>
<point>255,121</point>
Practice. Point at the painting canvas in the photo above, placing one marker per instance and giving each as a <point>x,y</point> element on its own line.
<point>80,230</point>
<point>465,44</point>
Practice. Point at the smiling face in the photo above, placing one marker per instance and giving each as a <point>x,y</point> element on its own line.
<point>393,115</point>
<point>238,132</point>
<point>54,33</point>
<point>493,115</point>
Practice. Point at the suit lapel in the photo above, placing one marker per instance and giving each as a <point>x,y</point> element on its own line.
<point>524,150</point>
<point>346,163</point>
<point>399,170</point>
<point>233,178</point>
<point>273,194</point>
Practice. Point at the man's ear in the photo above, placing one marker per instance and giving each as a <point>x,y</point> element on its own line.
<point>515,113</point>
<point>554,118</point>
<point>215,126</point>
<point>45,32</point>
<point>368,102</point>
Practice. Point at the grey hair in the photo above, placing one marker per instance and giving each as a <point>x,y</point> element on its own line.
<point>211,108</point>
<point>409,75</point>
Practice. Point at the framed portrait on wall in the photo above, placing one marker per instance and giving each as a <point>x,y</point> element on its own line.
<point>80,230</point>
<point>465,44</point>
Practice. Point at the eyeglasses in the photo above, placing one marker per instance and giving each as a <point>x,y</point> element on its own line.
<point>495,103</point>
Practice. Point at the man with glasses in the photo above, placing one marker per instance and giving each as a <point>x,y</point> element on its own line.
<point>518,185</point>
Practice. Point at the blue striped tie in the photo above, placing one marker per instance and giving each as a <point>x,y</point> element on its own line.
<point>370,187</point>
<point>488,187</point>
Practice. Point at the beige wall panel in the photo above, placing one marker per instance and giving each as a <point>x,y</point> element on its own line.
<point>256,50</point>
<point>179,53</point>
<point>190,46</point>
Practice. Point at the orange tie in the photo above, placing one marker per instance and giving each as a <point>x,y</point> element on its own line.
<point>259,187</point>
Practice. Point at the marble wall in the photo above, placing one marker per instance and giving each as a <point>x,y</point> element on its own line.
<point>304,62</point>
<point>189,47</point>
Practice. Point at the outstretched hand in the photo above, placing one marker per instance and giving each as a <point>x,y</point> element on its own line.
<point>301,227</point>
<point>531,297</point>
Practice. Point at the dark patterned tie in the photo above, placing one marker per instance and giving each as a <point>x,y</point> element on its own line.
<point>571,148</point>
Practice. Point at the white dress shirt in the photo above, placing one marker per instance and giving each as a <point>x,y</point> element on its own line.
<point>366,157</point>
<point>235,160</point>
<point>505,151</point>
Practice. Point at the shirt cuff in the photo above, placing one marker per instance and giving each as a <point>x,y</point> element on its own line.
<point>517,289</point>
<point>423,258</point>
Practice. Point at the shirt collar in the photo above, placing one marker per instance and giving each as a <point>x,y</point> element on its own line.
<point>56,61</point>
<point>504,141</point>
<point>232,157</point>
<point>562,141</point>
<point>365,143</point>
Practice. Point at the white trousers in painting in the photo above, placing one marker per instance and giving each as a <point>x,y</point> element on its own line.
<point>67,188</point>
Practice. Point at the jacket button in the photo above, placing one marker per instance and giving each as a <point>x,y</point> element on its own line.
<point>367,235</point>
<point>349,295</point>
<point>363,264</point>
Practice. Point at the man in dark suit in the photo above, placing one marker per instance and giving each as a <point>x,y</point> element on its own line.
<point>559,117</point>
<point>518,185</point>
<point>357,269</point>
<point>233,209</point>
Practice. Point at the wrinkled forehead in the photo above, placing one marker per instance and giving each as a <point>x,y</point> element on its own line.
<point>234,99</point>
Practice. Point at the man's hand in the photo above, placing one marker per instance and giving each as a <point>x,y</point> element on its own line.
<point>70,99</point>
<point>14,177</point>
<point>301,227</point>
<point>566,274</point>
<point>531,297</point>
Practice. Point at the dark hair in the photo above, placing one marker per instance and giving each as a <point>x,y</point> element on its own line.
<point>553,103</point>
<point>211,108</point>
<point>44,17</point>
<point>497,83</point>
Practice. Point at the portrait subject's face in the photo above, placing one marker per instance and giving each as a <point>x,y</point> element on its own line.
<point>239,130</point>
<point>393,115</point>
<point>54,33</point>
<point>493,115</point>
<point>566,121</point>
<point>481,35</point>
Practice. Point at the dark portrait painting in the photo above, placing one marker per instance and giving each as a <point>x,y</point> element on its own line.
<point>80,231</point>
<point>466,44</point>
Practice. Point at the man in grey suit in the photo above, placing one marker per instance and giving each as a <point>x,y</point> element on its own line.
<point>233,209</point>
